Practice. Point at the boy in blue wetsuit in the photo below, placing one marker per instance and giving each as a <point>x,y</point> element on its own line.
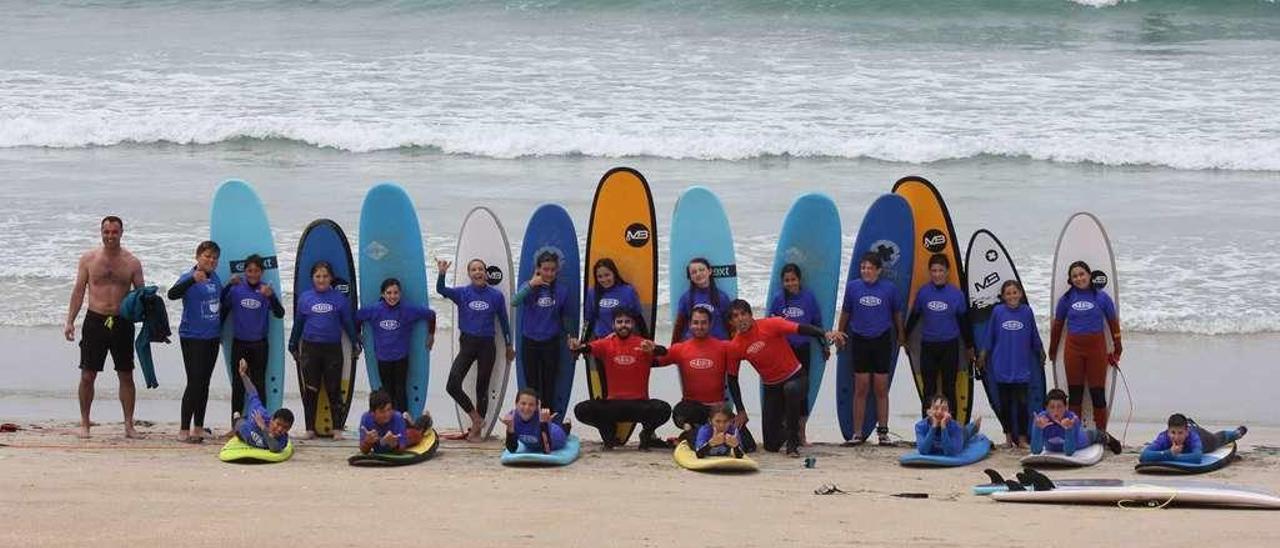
<point>200,334</point>
<point>391,321</point>
<point>719,437</point>
<point>1059,430</point>
<point>1186,441</point>
<point>533,425</point>
<point>382,428</point>
<point>939,434</point>
<point>480,306</point>
<point>255,429</point>
<point>942,312</point>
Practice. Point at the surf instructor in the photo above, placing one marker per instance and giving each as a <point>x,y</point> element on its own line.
<point>103,276</point>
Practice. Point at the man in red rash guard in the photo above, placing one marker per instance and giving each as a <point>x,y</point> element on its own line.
<point>764,344</point>
<point>627,359</point>
<point>703,361</point>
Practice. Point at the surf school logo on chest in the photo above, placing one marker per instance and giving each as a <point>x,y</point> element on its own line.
<point>609,302</point>
<point>1011,325</point>
<point>756,347</point>
<point>793,312</point>
<point>546,301</point>
<point>937,306</point>
<point>248,303</point>
<point>322,308</point>
<point>624,359</point>
<point>870,301</point>
<point>701,363</point>
<point>389,325</point>
<point>1082,306</point>
<point>478,306</point>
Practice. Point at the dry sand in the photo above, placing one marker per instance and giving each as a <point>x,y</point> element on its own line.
<point>58,490</point>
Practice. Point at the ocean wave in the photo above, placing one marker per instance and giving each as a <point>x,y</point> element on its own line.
<point>1257,154</point>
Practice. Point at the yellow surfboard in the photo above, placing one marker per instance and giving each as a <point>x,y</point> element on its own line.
<point>934,235</point>
<point>623,227</point>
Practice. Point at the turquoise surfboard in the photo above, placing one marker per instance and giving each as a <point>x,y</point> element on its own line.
<point>889,230</point>
<point>700,228</point>
<point>324,240</point>
<point>988,266</point>
<point>810,238</point>
<point>551,229</point>
<point>391,247</point>
<point>238,223</point>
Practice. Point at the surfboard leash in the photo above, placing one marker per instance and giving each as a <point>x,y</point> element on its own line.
<point>1128,396</point>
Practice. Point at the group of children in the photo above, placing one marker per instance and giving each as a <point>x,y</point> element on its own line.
<point>712,335</point>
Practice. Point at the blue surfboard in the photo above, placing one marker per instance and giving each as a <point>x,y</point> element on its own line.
<point>988,266</point>
<point>391,247</point>
<point>977,448</point>
<point>889,230</point>
<point>551,229</point>
<point>324,240</point>
<point>810,239</point>
<point>238,223</point>
<point>561,457</point>
<point>700,228</point>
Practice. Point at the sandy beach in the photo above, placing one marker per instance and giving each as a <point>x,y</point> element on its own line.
<point>61,491</point>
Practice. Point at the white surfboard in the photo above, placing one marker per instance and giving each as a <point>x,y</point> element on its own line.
<point>1084,239</point>
<point>1086,456</point>
<point>482,237</point>
<point>1148,493</point>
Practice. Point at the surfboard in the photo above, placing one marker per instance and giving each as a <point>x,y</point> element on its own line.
<point>236,451</point>
<point>1084,239</point>
<point>324,240</point>
<point>560,457</point>
<point>686,458</point>
<point>1085,456</point>
<point>1148,493</point>
<point>887,230</point>
<point>238,223</point>
<point>423,451</point>
<point>391,247</point>
<point>1209,462</point>
<point>624,228</point>
<point>934,234</point>
<point>988,265</point>
<point>975,450</point>
<point>551,229</point>
<point>700,228</point>
<point>482,237</point>
<point>810,239</point>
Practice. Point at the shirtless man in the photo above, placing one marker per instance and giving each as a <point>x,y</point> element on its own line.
<point>105,274</point>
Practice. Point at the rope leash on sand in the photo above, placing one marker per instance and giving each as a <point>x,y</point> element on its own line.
<point>1149,504</point>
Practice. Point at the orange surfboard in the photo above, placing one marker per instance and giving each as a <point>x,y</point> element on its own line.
<point>935,235</point>
<point>623,227</point>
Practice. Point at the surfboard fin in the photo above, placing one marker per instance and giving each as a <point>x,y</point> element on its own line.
<point>995,476</point>
<point>1035,479</point>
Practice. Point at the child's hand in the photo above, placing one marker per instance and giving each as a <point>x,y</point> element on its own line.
<point>717,438</point>
<point>546,415</point>
<point>731,441</point>
<point>370,436</point>
<point>537,281</point>
<point>243,368</point>
<point>258,420</point>
<point>506,418</point>
<point>646,345</point>
<point>235,279</point>
<point>1068,422</point>
<point>739,420</point>
<point>265,290</point>
<point>390,439</point>
<point>1176,449</point>
<point>199,276</point>
<point>946,418</point>
<point>442,265</point>
<point>511,353</point>
<point>1042,421</point>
